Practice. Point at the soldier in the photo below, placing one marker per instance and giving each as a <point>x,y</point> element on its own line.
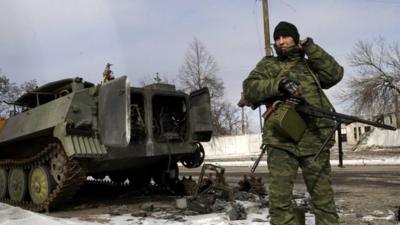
<point>300,68</point>
<point>108,73</point>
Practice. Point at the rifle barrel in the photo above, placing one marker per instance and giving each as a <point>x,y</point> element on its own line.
<point>339,117</point>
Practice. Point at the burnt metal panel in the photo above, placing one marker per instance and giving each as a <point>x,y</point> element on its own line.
<point>30,122</point>
<point>29,99</point>
<point>114,112</point>
<point>200,115</point>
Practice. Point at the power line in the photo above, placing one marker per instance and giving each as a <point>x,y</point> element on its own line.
<point>258,31</point>
<point>289,6</point>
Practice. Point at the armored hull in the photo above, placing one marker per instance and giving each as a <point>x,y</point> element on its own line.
<point>68,130</point>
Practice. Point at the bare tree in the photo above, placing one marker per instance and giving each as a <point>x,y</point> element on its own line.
<point>217,118</point>
<point>232,119</point>
<point>10,91</point>
<point>376,88</point>
<point>226,120</point>
<point>199,70</point>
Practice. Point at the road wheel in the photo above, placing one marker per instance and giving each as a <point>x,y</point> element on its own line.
<point>40,184</point>
<point>17,184</point>
<point>3,183</point>
<point>57,166</point>
<point>194,159</point>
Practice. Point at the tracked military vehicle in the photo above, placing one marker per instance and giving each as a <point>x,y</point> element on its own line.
<point>67,130</point>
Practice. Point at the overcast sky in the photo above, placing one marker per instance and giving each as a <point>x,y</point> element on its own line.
<point>48,40</point>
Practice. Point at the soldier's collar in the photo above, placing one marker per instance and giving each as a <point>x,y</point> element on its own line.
<point>290,54</point>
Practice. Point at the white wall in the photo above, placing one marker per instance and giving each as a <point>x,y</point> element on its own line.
<point>248,145</point>
<point>233,146</point>
<point>384,138</point>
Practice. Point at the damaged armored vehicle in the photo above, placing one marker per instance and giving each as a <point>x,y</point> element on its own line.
<point>67,130</point>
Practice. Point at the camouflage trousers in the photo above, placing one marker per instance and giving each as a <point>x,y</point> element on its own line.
<point>283,168</point>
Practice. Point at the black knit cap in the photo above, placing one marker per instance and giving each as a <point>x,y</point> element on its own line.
<point>286,29</point>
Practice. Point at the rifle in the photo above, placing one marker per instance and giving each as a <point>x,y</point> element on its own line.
<point>263,148</point>
<point>305,108</point>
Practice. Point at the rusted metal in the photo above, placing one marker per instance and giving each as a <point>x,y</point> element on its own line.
<point>208,183</point>
<point>210,186</point>
<point>189,185</point>
<point>201,204</point>
<point>253,185</point>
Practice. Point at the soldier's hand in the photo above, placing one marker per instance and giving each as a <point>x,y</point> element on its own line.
<point>290,87</point>
<point>243,101</point>
<point>303,42</point>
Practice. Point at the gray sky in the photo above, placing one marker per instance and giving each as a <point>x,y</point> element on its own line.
<point>49,40</point>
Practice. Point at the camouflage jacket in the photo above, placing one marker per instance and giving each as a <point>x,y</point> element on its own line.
<point>263,82</point>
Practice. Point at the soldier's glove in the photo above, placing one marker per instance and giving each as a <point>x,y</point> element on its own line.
<point>290,87</point>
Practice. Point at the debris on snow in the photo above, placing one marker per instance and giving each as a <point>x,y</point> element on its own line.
<point>148,207</point>
<point>253,185</point>
<point>379,215</point>
<point>236,212</point>
<point>123,209</point>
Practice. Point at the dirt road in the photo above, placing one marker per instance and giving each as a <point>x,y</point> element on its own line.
<point>361,191</point>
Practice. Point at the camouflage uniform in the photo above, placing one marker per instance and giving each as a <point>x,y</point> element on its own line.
<point>284,155</point>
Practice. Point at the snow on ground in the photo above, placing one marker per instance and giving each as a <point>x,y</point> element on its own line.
<point>355,162</point>
<point>10,215</point>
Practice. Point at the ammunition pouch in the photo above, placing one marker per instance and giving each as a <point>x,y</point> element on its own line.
<point>288,122</point>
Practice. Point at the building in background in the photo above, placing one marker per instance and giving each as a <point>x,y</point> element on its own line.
<point>354,132</point>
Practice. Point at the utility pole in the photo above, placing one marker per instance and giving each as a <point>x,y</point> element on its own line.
<point>267,42</point>
<point>396,110</point>
<point>268,52</point>
<point>243,126</point>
